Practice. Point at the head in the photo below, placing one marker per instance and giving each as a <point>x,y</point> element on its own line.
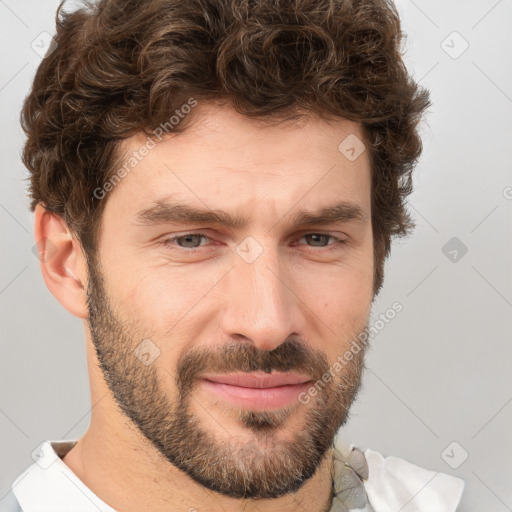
<point>231,175</point>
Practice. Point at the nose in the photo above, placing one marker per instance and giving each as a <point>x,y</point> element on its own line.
<point>260,302</point>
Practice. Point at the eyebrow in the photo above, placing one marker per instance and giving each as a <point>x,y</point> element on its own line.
<point>168,212</point>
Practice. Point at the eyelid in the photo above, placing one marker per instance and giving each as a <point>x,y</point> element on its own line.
<point>169,239</point>
<point>338,240</point>
<point>299,234</point>
<point>334,234</point>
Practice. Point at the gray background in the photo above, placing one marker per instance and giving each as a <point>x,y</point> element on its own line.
<point>438,373</point>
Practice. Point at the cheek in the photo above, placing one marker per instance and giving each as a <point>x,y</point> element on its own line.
<point>340,290</point>
<point>343,305</point>
<point>167,300</point>
<point>339,298</point>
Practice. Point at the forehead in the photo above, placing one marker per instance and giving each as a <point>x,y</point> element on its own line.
<point>227,160</point>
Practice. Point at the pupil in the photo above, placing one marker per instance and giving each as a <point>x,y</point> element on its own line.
<point>317,236</point>
<point>188,237</point>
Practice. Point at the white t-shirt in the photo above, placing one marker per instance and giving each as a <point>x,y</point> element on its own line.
<point>393,484</point>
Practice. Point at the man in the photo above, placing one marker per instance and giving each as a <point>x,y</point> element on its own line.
<point>215,187</point>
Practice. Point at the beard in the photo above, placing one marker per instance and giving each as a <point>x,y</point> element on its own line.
<point>257,465</point>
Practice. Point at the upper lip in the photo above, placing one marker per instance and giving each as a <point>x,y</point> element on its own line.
<point>258,379</point>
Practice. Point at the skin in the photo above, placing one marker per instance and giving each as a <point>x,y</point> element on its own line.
<point>297,304</point>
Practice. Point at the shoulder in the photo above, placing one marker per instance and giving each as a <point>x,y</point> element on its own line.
<point>396,484</point>
<point>393,483</point>
<point>49,484</point>
<point>9,503</point>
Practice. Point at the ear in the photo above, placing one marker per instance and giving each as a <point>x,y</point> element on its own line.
<point>62,261</point>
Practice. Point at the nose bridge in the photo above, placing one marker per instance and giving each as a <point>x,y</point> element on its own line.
<point>259,304</point>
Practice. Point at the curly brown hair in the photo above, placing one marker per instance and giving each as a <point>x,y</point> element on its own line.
<point>122,67</point>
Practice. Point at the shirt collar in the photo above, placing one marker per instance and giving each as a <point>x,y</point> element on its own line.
<point>50,481</point>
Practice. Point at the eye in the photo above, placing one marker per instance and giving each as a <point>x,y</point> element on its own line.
<point>317,238</point>
<point>321,239</point>
<point>189,240</point>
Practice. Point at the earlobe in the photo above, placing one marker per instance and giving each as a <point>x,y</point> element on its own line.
<point>62,261</point>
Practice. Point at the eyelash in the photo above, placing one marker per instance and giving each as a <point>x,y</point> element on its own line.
<point>170,242</point>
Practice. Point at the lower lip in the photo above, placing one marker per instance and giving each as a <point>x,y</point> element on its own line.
<point>261,398</point>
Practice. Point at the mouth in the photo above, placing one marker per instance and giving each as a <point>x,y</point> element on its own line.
<point>257,390</point>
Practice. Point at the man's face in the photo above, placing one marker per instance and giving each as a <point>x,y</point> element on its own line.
<point>273,294</point>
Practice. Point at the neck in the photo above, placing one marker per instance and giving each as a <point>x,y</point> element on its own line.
<point>135,478</point>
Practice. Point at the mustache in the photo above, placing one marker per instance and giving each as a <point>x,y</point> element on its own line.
<point>290,356</point>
